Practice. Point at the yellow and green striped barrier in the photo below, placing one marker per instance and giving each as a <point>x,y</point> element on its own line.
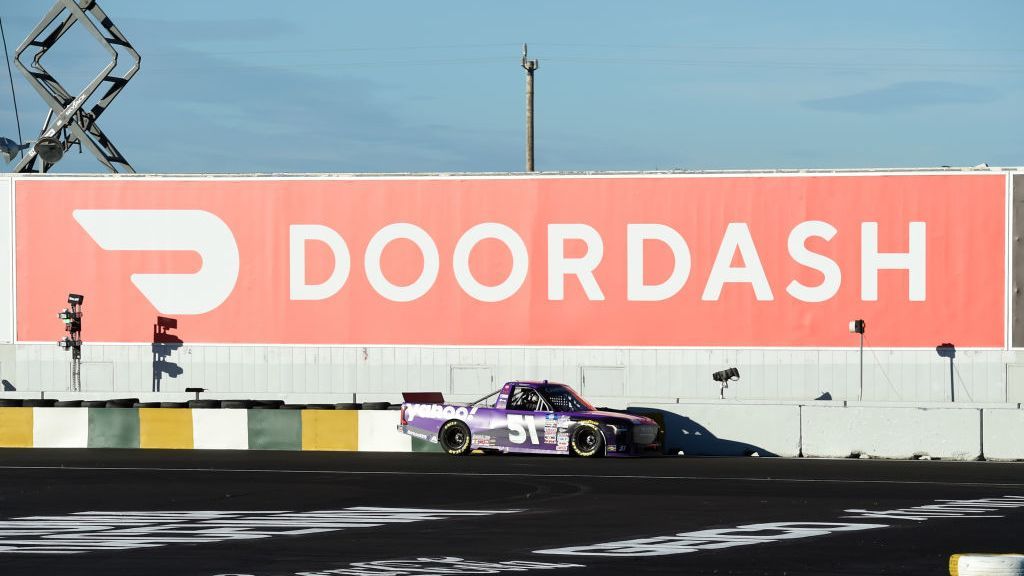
<point>206,428</point>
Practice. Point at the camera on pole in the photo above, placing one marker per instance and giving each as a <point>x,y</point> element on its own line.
<point>724,376</point>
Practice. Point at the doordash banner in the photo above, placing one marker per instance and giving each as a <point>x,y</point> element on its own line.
<point>669,260</point>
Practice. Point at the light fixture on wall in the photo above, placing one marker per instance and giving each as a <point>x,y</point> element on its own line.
<point>858,327</point>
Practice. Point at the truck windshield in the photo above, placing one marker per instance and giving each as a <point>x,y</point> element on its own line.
<point>564,399</point>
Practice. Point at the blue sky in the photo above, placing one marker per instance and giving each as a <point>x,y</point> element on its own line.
<point>387,86</point>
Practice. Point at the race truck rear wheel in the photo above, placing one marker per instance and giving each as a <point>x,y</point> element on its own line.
<point>587,440</point>
<point>454,437</point>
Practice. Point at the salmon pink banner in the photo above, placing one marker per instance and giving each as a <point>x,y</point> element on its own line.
<point>744,261</point>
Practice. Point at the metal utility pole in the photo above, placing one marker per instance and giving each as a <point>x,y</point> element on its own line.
<point>859,327</point>
<point>530,66</point>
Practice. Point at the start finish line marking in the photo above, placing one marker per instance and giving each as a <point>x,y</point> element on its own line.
<point>448,565</point>
<point>93,531</point>
<point>749,534</point>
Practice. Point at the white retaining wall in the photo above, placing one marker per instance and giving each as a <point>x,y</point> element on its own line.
<point>839,430</point>
<point>1004,433</point>
<point>901,432</point>
<point>725,428</point>
<point>728,429</point>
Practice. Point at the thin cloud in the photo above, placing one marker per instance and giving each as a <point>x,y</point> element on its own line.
<point>903,97</point>
<point>263,119</point>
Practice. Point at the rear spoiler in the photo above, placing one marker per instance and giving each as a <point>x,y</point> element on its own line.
<point>423,397</point>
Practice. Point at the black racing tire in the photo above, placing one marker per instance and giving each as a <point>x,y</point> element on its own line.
<point>174,405</point>
<point>454,437</point>
<point>147,405</point>
<point>319,406</point>
<point>203,403</point>
<point>376,405</point>
<point>587,440</point>
<point>94,403</point>
<point>236,404</point>
<point>68,403</point>
<point>348,406</point>
<point>39,402</point>
<point>122,402</point>
<point>10,402</point>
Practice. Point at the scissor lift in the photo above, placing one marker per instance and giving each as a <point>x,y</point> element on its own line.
<point>68,122</point>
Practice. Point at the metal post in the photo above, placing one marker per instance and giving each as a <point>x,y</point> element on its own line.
<point>76,369</point>
<point>861,395</point>
<point>530,66</point>
<point>952,381</point>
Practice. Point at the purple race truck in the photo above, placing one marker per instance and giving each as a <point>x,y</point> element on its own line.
<point>531,417</point>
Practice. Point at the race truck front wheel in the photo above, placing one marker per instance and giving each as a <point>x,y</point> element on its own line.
<point>587,440</point>
<point>454,437</point>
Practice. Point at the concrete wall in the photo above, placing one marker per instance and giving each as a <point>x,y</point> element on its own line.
<point>840,429</point>
<point>217,429</point>
<point>275,371</point>
<point>1003,433</point>
<point>891,432</point>
<point>727,428</point>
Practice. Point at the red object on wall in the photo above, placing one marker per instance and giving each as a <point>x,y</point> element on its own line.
<point>154,226</point>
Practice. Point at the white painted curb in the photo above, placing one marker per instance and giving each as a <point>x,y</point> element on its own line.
<point>986,565</point>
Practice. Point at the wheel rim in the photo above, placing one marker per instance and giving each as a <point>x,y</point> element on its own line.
<point>587,440</point>
<point>455,437</point>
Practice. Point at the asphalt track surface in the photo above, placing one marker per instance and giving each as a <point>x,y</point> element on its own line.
<point>532,503</point>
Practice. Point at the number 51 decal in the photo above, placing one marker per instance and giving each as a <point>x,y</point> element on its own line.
<point>519,425</point>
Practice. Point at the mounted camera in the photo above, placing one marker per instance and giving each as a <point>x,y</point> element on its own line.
<point>726,375</point>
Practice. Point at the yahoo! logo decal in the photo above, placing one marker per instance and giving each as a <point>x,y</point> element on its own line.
<point>202,232</point>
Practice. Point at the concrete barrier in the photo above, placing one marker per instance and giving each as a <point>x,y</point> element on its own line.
<point>901,432</point>
<point>16,428</point>
<point>378,432</point>
<point>716,428</point>
<point>220,429</point>
<point>60,427</point>
<point>729,428</point>
<point>336,430</point>
<point>202,428</point>
<point>1003,433</point>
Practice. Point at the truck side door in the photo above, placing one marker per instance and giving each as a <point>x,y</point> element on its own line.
<point>525,419</point>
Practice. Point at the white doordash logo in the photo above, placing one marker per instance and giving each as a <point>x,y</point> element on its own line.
<point>206,234</point>
<point>168,230</point>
